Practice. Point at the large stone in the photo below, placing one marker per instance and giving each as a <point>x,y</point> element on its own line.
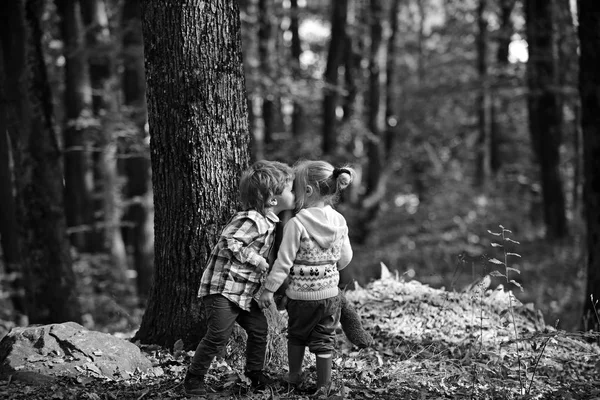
<point>68,349</point>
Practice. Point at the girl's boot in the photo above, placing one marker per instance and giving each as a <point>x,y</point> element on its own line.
<point>295,358</point>
<point>324,363</point>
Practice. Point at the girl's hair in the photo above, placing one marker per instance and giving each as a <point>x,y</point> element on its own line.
<point>327,182</point>
<point>261,181</point>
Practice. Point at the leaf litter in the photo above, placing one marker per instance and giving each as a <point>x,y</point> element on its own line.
<point>429,344</point>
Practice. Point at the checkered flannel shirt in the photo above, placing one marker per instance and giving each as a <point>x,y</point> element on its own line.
<point>232,266</point>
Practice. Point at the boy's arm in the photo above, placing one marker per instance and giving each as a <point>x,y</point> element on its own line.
<point>290,244</point>
<point>239,243</point>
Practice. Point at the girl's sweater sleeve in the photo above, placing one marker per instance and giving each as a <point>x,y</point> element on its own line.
<point>345,254</point>
<point>290,243</point>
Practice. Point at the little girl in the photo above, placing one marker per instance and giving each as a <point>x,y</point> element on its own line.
<point>314,247</point>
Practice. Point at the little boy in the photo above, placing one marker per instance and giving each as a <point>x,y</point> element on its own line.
<point>234,270</point>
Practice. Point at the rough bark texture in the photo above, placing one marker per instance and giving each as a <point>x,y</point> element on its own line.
<point>199,145</point>
<point>43,244</point>
<point>545,115</point>
<point>589,88</point>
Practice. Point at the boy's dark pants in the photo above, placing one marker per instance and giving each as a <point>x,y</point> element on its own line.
<point>221,315</point>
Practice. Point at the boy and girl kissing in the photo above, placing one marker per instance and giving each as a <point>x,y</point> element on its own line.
<point>238,283</point>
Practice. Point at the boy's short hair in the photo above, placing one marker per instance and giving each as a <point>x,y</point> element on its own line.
<point>262,180</point>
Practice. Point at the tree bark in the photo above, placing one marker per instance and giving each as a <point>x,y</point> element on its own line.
<point>545,115</point>
<point>589,89</point>
<point>199,145</point>
<point>334,60</point>
<point>43,244</point>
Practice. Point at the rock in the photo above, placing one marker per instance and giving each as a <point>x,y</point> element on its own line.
<point>68,349</point>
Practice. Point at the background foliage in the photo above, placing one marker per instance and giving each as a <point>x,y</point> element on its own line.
<point>431,224</point>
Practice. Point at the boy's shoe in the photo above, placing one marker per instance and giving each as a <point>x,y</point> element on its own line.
<point>194,385</point>
<point>259,379</point>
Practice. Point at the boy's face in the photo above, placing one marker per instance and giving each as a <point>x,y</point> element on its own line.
<point>285,200</point>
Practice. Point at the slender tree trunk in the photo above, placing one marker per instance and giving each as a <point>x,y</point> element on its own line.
<point>334,60</point>
<point>391,85</point>
<point>589,89</point>
<point>545,115</point>
<point>484,101</point>
<point>296,50</point>
<point>266,49</point>
<point>506,30</point>
<point>9,231</point>
<point>499,103</point>
<point>199,145</point>
<point>43,245</point>
<point>376,122</point>
<point>137,164</point>
<point>103,68</point>
<point>352,60</point>
<point>256,93</point>
<point>78,99</point>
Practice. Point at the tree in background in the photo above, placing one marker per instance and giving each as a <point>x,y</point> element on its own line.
<point>198,121</point>
<point>139,212</point>
<point>76,127</point>
<point>589,88</point>
<point>545,115</point>
<point>335,55</point>
<point>43,247</point>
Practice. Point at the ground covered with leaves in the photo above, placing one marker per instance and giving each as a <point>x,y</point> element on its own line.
<point>429,344</point>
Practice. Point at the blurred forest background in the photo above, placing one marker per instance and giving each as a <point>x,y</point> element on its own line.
<point>461,116</point>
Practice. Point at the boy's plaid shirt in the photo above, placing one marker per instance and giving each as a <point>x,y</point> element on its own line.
<point>231,269</point>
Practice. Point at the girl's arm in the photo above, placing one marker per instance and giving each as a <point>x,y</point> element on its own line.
<point>345,254</point>
<point>290,243</point>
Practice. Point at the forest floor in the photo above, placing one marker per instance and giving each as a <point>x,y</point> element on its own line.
<point>428,344</point>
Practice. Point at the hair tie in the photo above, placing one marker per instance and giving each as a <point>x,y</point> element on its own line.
<point>338,171</point>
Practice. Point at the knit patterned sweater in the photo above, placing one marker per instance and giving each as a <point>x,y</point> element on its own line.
<point>314,247</point>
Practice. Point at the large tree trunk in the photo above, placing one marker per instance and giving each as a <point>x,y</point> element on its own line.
<point>545,115</point>
<point>78,99</point>
<point>43,244</point>
<point>589,88</point>
<point>139,214</point>
<point>334,60</point>
<point>199,145</point>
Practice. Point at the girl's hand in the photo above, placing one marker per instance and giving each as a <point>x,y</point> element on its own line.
<point>265,299</point>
